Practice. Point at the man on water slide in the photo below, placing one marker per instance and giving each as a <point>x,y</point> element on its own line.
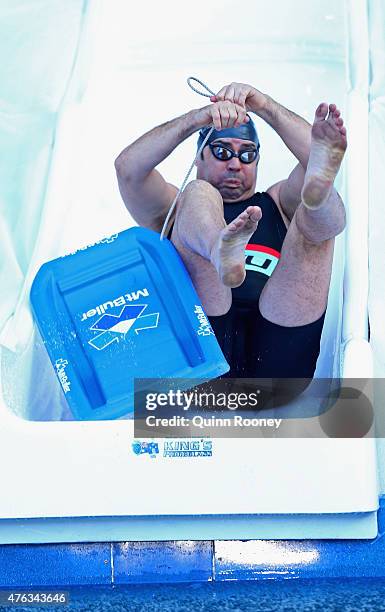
<point>260,262</point>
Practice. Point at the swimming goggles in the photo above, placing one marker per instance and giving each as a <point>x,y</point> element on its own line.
<point>224,154</point>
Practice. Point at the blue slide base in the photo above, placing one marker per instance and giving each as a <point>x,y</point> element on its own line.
<point>172,561</point>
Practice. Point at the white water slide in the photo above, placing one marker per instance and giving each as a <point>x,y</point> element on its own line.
<point>83,79</point>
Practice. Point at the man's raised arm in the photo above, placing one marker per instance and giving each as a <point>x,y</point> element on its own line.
<point>145,192</point>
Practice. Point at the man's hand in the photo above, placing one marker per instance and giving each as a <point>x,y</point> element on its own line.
<point>242,95</point>
<point>223,114</point>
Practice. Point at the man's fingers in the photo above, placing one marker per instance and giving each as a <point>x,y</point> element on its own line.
<point>238,94</point>
<point>226,114</point>
<point>230,93</point>
<point>216,117</point>
<point>231,115</point>
<point>225,117</point>
<point>220,96</point>
<point>235,92</point>
<point>240,97</point>
<point>241,116</point>
<point>236,115</point>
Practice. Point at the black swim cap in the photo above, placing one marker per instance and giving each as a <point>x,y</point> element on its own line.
<point>246,131</point>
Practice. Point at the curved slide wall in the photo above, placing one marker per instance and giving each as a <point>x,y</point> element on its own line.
<point>96,81</point>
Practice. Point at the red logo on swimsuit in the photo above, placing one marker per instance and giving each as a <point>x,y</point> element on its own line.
<point>260,258</point>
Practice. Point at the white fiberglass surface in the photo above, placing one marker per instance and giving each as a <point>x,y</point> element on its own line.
<point>92,77</point>
<point>81,80</point>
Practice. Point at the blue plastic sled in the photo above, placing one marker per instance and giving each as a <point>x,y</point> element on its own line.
<point>121,309</point>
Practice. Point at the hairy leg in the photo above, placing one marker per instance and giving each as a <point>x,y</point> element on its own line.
<point>296,293</point>
<point>212,251</point>
<point>290,192</point>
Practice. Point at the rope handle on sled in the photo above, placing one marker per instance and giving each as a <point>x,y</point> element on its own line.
<point>172,207</point>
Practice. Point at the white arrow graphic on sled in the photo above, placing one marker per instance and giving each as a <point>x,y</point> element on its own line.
<point>113,327</point>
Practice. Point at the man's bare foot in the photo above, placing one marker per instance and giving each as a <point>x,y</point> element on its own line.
<point>228,253</point>
<point>328,145</point>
